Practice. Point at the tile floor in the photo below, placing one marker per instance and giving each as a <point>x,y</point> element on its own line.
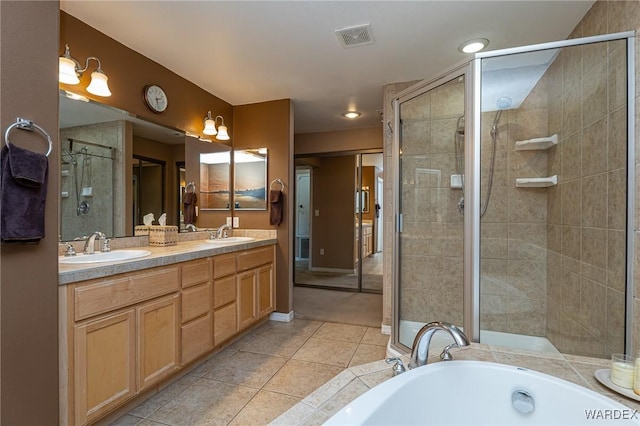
<point>262,375</point>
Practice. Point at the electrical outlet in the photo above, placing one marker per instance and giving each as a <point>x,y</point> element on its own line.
<point>321,252</point>
<point>236,222</point>
<point>229,221</point>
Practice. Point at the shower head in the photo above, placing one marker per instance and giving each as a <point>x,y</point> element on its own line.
<point>504,102</point>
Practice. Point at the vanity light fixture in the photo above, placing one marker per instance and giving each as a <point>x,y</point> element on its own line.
<point>473,46</point>
<point>221,132</point>
<point>70,71</point>
<point>351,114</point>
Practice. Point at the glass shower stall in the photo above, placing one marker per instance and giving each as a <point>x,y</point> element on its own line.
<point>514,204</point>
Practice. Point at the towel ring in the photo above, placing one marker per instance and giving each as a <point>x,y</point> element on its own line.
<point>279,182</point>
<point>24,124</point>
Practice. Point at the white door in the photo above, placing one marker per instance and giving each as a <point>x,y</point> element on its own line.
<point>303,209</point>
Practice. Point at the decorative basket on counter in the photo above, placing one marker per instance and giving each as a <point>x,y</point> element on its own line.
<point>141,230</point>
<point>163,235</point>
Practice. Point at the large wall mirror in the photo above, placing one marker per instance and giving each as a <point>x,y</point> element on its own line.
<point>250,179</point>
<point>110,160</point>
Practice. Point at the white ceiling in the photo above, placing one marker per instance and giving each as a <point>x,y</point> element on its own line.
<point>253,51</point>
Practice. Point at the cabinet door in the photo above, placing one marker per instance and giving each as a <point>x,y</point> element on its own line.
<point>158,342</point>
<point>104,365</point>
<point>246,299</point>
<point>266,293</point>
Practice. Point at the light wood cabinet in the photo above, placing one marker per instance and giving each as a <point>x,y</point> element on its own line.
<point>125,334</point>
<point>255,286</point>
<point>197,310</point>
<point>104,367</point>
<point>247,294</point>
<point>158,348</point>
<point>266,290</point>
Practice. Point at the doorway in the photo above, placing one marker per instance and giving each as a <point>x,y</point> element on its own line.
<point>148,188</point>
<point>338,241</point>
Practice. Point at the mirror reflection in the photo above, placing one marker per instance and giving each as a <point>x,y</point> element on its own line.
<point>250,179</point>
<point>214,178</point>
<point>115,169</point>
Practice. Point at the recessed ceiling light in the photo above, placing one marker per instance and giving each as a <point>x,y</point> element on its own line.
<point>473,46</point>
<point>352,114</point>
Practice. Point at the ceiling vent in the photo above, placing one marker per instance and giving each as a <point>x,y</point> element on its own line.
<point>355,36</point>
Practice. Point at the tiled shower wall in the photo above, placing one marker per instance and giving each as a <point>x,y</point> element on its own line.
<point>586,230</point>
<point>99,176</point>
<point>431,242</point>
<point>604,17</point>
<point>513,229</point>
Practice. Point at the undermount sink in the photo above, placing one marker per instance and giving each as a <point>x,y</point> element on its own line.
<point>230,240</point>
<point>111,256</point>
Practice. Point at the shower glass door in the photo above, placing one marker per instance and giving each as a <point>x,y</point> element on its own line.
<point>554,170</point>
<point>429,243</point>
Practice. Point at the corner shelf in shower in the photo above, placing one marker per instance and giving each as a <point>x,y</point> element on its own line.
<point>537,143</point>
<point>543,182</point>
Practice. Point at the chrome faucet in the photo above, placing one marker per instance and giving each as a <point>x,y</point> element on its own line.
<point>420,349</point>
<point>190,227</point>
<point>221,232</point>
<point>89,245</point>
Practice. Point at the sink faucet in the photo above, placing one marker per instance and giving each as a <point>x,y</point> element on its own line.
<point>420,349</point>
<point>190,227</point>
<point>221,232</point>
<point>89,245</point>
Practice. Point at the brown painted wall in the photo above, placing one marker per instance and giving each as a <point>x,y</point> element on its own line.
<point>338,141</point>
<point>334,229</point>
<point>129,72</point>
<point>28,294</point>
<point>270,125</point>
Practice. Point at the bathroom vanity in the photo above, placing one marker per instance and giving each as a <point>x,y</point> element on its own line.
<point>127,327</point>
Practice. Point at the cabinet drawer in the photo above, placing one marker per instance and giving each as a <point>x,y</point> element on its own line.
<point>224,323</point>
<point>224,291</point>
<point>252,258</point>
<point>196,272</point>
<point>224,265</point>
<point>109,295</point>
<point>196,301</point>
<point>197,338</point>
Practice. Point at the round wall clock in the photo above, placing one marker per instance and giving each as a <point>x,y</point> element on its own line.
<point>155,98</point>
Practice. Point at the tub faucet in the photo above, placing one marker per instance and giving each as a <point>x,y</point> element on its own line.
<point>89,245</point>
<point>221,232</point>
<point>420,349</point>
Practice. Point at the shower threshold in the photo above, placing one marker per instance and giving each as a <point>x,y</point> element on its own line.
<point>408,329</point>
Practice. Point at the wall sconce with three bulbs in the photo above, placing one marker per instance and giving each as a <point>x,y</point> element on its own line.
<point>210,127</point>
<point>70,71</point>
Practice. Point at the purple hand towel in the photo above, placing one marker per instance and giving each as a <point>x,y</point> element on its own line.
<point>276,199</point>
<point>23,185</point>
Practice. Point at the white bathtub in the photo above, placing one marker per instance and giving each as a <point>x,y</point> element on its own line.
<point>480,393</point>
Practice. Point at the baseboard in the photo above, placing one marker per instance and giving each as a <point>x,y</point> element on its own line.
<point>385,329</point>
<point>281,317</point>
<point>336,270</point>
